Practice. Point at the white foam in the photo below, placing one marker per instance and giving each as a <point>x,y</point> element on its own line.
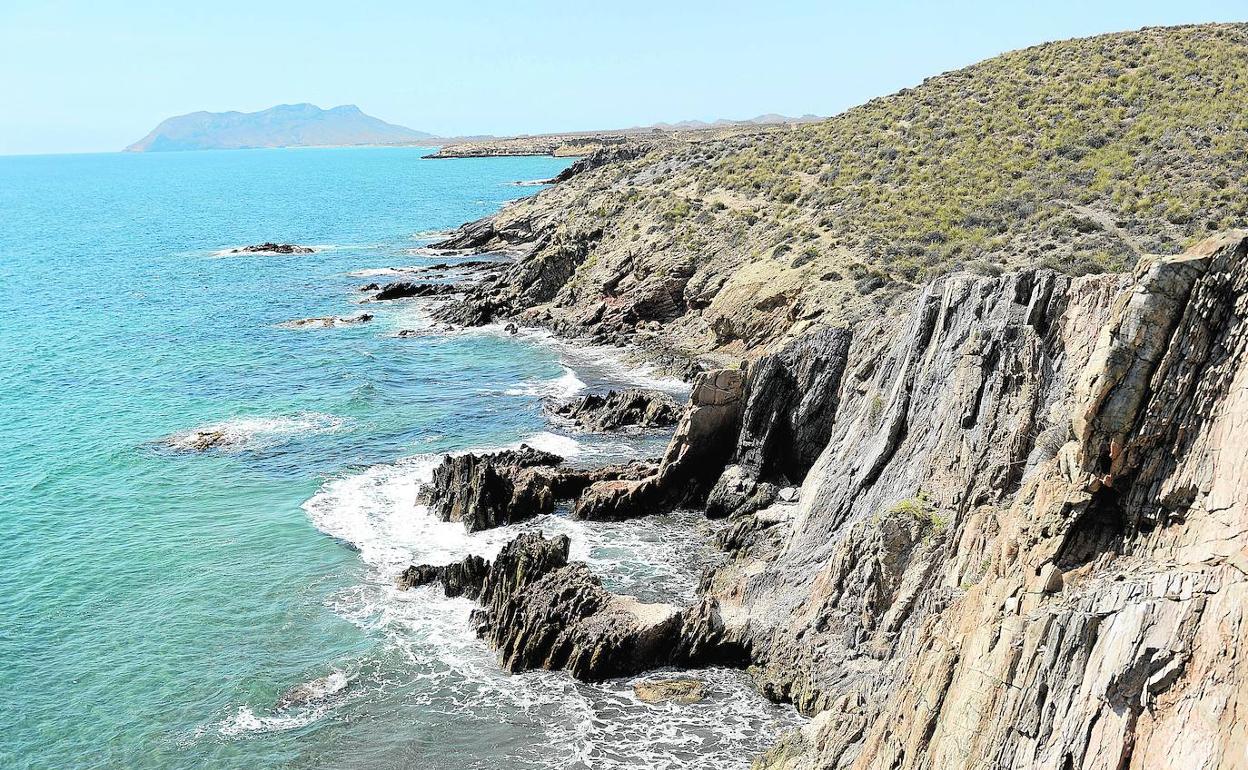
<point>565,385</point>
<point>251,433</point>
<point>608,360</point>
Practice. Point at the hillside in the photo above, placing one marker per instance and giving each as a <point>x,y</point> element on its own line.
<point>1079,155</point>
<point>286,125</point>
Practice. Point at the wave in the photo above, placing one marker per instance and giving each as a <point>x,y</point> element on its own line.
<point>239,434</point>
<point>565,385</point>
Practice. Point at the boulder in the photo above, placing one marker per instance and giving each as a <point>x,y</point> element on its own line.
<point>462,578</point>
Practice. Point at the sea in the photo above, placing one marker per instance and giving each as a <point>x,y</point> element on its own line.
<point>162,607</point>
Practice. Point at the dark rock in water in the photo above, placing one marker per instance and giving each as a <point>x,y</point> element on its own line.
<point>273,248</point>
<point>567,620</point>
<point>511,329</point>
<point>491,490</point>
<point>683,691</point>
<point>693,461</point>
<point>404,289</point>
<point>539,611</point>
<point>618,409</point>
<point>328,322</point>
<point>370,286</point>
<point>463,578</point>
<point>522,562</point>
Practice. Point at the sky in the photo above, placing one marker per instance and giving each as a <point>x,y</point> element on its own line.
<point>96,75</point>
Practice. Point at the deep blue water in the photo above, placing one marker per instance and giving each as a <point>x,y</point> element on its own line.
<point>234,608</point>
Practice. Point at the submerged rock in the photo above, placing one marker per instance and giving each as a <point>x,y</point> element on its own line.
<point>199,440</point>
<point>328,322</point>
<point>273,248</point>
<point>683,691</point>
<point>618,409</point>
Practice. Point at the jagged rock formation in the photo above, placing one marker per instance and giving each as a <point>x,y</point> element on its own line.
<point>786,421</point>
<point>491,490</point>
<point>463,578</point>
<point>619,409</point>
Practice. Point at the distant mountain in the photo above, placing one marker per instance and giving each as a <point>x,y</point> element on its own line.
<point>286,125</point>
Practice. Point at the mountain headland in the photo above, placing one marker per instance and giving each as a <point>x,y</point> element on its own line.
<point>968,367</point>
<point>286,125</point>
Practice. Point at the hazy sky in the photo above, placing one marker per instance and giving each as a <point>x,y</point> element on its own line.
<point>82,75</point>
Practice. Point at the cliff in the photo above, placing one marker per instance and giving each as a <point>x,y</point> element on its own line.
<point>988,512</point>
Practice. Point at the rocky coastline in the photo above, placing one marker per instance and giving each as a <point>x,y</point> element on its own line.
<point>990,517</point>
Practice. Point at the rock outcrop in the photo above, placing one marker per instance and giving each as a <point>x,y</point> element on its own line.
<point>491,490</point>
<point>405,289</point>
<point>694,458</point>
<point>619,409</point>
<point>1023,545</point>
<point>463,578</point>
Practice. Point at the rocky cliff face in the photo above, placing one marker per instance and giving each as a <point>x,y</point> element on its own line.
<point>1023,545</point>
<point>1019,539</point>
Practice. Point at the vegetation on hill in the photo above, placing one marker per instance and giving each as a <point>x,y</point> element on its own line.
<point>1078,155</point>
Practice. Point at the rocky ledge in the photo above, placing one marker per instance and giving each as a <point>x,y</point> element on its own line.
<point>618,409</point>
<point>540,611</point>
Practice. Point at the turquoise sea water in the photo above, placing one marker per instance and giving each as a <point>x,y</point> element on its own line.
<point>235,608</point>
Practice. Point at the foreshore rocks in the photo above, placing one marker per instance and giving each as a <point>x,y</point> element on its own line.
<point>492,490</point>
<point>463,578</point>
<point>538,611</point>
<point>619,409</point>
<point>405,289</point>
<point>273,248</point>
